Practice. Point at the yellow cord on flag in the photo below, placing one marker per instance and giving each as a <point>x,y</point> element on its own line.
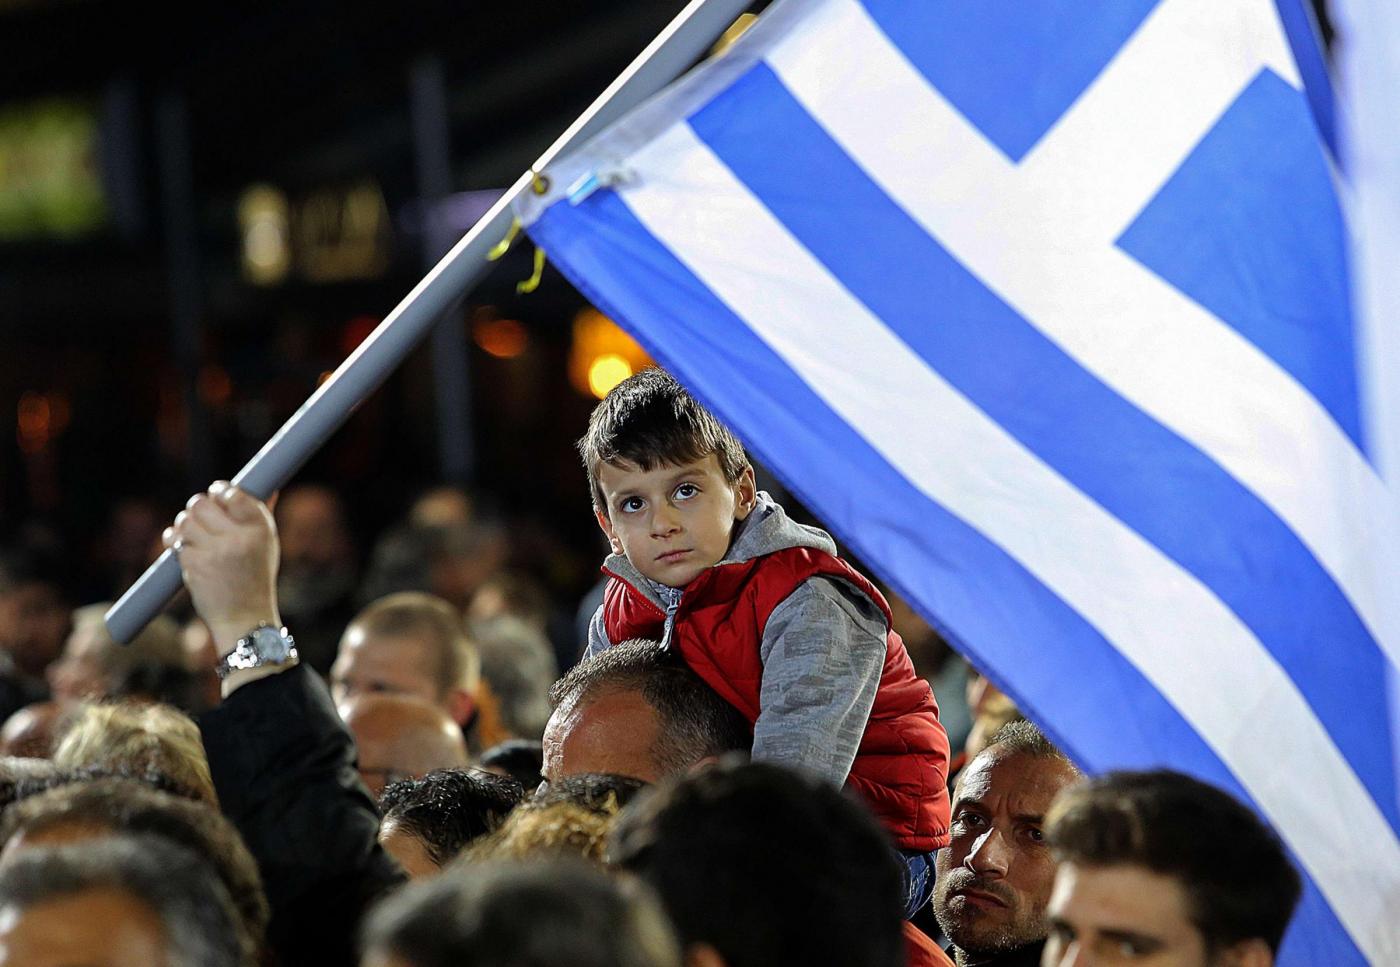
<point>540,185</point>
<point>503,246</point>
<point>533,282</point>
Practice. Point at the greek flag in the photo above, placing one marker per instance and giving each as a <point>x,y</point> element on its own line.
<point>1044,308</point>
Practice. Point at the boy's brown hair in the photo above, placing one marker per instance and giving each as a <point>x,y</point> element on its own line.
<point>649,420</point>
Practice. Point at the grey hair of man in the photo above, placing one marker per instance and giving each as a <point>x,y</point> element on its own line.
<point>197,917</point>
<point>1023,737</point>
<point>695,723</point>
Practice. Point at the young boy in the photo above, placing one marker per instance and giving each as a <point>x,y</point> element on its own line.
<point>763,610</point>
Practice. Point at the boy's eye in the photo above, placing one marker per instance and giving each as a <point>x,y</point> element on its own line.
<point>630,505</point>
<point>686,490</point>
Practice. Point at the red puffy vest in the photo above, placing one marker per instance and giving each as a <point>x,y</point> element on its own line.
<point>901,766</point>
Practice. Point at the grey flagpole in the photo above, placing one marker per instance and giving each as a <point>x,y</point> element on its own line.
<point>683,41</point>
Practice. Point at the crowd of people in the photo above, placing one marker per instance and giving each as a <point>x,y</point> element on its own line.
<point>744,753</point>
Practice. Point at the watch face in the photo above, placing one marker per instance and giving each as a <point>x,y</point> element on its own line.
<point>270,646</point>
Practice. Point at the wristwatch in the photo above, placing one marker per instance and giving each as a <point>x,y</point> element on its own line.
<point>264,645</point>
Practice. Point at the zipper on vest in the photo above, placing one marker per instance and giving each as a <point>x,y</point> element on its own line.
<point>672,597</point>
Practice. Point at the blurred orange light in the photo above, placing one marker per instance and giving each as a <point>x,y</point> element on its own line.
<point>602,355</point>
<point>502,338</point>
<point>606,372</point>
<point>324,376</point>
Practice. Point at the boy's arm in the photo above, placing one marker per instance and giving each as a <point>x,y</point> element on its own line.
<point>823,651</point>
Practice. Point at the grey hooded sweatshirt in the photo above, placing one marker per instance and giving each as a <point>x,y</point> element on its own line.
<point>823,650</point>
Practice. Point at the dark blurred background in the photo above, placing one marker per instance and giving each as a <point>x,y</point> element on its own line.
<point>205,207</point>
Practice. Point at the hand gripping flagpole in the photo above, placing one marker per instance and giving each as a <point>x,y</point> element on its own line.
<point>683,41</point>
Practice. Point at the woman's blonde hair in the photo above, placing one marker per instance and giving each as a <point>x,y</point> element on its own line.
<point>138,740</point>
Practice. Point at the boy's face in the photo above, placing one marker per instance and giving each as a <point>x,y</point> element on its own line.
<point>673,521</point>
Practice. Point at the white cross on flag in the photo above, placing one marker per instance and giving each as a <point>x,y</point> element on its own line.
<point>1044,308</point>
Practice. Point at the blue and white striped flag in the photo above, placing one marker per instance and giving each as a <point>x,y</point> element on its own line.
<point>1044,308</point>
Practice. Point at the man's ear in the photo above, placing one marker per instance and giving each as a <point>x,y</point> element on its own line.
<point>703,955</point>
<point>745,494</point>
<point>607,528</point>
<point>460,705</point>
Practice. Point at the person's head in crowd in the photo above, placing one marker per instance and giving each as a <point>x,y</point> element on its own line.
<point>82,812</point>
<point>1157,867</point>
<point>442,506</point>
<point>138,739</point>
<point>410,644</point>
<point>20,777</point>
<point>761,866</point>
<point>545,914</point>
<point>511,594</point>
<point>593,790</point>
<point>399,737</point>
<point>94,667</point>
<point>645,432</point>
<point>549,829</point>
<point>318,554</point>
<point>33,731</point>
<point>34,614</point>
<point>450,561</point>
<point>994,877</point>
<point>521,759</point>
<point>430,820</point>
<point>124,901</point>
<point>130,540</point>
<point>570,819</point>
<point>637,710</point>
<point>517,662</point>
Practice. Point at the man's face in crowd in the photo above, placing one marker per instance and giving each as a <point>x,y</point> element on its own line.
<point>79,672</point>
<point>994,877</point>
<point>1109,915</point>
<point>33,624</point>
<point>610,732</point>
<point>94,928</point>
<point>378,664</point>
<point>311,529</point>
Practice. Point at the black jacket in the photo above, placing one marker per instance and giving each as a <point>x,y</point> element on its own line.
<point>284,768</point>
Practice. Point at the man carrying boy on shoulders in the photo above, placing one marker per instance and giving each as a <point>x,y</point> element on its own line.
<point>763,610</point>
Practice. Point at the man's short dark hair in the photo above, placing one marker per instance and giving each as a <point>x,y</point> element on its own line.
<point>1023,737</point>
<point>768,866</point>
<point>522,759</point>
<point>545,914</point>
<point>599,791</point>
<point>649,420</point>
<point>695,722</point>
<point>196,915</point>
<point>449,808</point>
<point>1237,878</point>
<point>130,807</point>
